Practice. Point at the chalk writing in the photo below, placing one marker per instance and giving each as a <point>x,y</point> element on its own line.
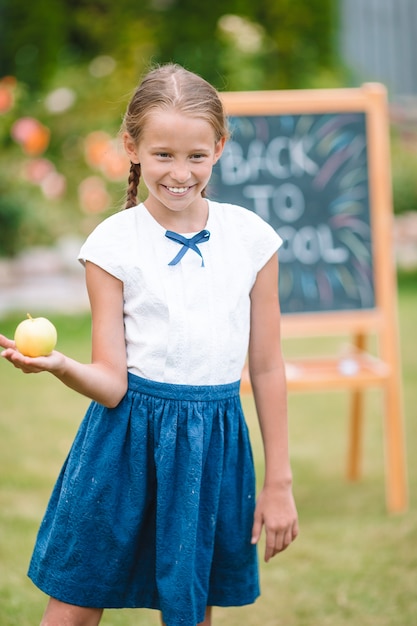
<point>307,176</point>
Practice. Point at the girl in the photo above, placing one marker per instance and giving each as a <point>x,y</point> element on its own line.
<point>155,505</point>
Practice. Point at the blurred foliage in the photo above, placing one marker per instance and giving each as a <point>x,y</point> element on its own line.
<point>295,37</point>
<point>67,70</point>
<point>273,45</point>
<point>42,37</point>
<point>40,188</point>
<point>404,167</point>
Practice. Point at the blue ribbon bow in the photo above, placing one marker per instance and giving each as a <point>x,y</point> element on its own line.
<point>192,242</point>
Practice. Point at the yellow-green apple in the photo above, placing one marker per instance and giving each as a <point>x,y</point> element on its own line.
<point>35,336</point>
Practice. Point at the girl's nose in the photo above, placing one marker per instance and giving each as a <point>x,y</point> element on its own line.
<point>180,172</point>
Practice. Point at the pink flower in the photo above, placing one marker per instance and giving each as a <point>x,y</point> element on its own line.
<point>93,195</point>
<point>31,135</point>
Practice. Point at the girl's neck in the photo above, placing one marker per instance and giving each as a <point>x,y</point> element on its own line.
<point>181,221</point>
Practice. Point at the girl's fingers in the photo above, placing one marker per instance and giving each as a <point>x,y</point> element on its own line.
<point>256,530</point>
<point>6,343</point>
<point>278,541</point>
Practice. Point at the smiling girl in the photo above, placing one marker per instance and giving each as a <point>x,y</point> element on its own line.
<point>155,505</point>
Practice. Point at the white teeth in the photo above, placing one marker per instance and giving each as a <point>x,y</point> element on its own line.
<point>177,189</point>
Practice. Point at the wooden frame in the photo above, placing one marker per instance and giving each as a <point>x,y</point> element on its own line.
<point>365,369</point>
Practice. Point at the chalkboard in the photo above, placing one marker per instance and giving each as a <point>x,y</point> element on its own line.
<point>307,175</point>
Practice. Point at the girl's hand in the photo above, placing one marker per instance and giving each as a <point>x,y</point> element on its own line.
<point>276,511</point>
<point>28,365</point>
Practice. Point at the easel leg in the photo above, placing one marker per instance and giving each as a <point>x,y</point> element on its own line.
<point>355,436</point>
<point>356,422</point>
<point>395,455</point>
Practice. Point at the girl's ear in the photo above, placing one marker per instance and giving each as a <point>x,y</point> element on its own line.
<point>218,150</point>
<point>130,148</point>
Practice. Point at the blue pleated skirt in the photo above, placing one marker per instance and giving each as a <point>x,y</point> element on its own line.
<point>154,506</point>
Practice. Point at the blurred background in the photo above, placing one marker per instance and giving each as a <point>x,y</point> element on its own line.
<point>67,70</point>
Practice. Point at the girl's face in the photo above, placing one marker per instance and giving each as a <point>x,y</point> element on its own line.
<point>176,153</point>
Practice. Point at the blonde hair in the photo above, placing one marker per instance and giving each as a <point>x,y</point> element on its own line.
<point>167,87</point>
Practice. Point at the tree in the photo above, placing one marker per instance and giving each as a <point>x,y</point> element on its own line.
<point>302,32</point>
<point>297,39</point>
<point>39,38</point>
<point>32,35</point>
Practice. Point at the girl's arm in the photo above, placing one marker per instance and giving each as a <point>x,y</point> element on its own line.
<point>105,378</point>
<point>275,508</point>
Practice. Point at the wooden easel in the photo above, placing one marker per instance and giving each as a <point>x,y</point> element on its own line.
<point>364,369</point>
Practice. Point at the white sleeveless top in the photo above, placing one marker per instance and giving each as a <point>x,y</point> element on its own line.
<point>186,323</point>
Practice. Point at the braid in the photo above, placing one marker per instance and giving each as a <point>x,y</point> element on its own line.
<point>133,183</point>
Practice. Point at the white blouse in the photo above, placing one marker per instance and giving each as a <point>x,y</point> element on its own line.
<point>186,323</point>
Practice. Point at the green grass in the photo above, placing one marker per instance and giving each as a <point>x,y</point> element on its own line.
<point>352,564</point>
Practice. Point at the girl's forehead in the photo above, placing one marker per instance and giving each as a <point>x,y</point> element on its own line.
<point>158,115</point>
<point>172,123</point>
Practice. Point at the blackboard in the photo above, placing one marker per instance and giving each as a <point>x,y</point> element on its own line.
<point>307,175</point>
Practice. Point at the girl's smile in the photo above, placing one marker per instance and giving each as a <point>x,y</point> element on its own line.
<point>176,153</point>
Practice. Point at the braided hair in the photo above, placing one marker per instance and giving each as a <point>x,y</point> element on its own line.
<point>133,184</point>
